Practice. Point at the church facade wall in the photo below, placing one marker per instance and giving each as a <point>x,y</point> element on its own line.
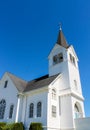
<point>9,94</point>
<point>34,98</point>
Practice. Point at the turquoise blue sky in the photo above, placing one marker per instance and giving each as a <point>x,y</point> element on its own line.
<point>29,29</point>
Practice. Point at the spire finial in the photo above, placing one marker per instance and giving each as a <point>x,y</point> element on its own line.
<point>60,26</point>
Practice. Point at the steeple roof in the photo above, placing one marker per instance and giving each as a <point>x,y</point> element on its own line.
<point>61,39</point>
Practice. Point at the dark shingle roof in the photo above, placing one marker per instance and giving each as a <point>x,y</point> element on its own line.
<point>61,40</point>
<point>24,86</point>
<point>40,82</point>
<point>19,83</point>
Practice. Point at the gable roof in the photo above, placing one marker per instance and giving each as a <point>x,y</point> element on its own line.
<point>61,40</point>
<point>24,86</point>
<point>40,82</point>
<point>19,83</point>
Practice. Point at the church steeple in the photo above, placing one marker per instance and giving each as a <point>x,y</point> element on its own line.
<point>61,39</point>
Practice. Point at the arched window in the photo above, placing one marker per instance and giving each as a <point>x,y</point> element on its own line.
<point>2,108</point>
<point>78,111</point>
<point>76,108</point>
<point>72,59</point>
<point>53,94</point>
<point>31,110</point>
<point>11,111</point>
<point>58,58</point>
<point>39,109</point>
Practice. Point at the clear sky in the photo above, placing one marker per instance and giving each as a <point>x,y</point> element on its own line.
<point>29,29</point>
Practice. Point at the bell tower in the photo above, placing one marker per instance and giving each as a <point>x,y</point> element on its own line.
<point>63,60</point>
<point>58,58</point>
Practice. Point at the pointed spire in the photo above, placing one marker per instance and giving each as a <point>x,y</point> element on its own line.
<point>61,39</point>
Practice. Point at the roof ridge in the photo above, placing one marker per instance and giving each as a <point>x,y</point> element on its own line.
<point>31,85</point>
<point>18,82</point>
<point>42,77</point>
<point>10,74</point>
<point>38,78</point>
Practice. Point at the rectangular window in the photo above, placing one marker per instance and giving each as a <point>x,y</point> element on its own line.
<point>59,105</point>
<point>6,82</point>
<point>53,111</point>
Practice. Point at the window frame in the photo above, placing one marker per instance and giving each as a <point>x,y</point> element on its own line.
<point>58,58</point>
<point>11,111</point>
<point>2,108</point>
<point>54,111</point>
<point>31,110</point>
<point>54,94</point>
<point>5,84</point>
<point>39,109</point>
<point>72,59</point>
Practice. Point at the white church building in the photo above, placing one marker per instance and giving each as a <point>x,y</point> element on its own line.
<point>55,100</point>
